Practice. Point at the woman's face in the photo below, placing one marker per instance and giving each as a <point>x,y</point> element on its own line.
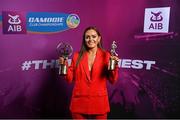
<point>92,38</point>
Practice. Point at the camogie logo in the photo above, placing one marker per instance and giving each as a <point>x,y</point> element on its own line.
<point>73,21</point>
<point>47,22</point>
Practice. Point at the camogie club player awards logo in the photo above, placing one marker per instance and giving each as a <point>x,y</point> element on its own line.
<point>13,23</point>
<point>47,22</point>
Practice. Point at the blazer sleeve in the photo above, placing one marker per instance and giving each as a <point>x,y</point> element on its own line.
<point>71,69</point>
<point>112,74</point>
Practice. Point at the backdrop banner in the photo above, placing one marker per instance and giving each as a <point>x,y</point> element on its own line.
<point>148,40</point>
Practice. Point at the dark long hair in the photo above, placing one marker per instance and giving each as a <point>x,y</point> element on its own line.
<point>83,45</point>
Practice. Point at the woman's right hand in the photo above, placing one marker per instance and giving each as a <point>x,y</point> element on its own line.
<point>61,60</point>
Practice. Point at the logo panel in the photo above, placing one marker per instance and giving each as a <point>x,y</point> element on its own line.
<point>13,22</point>
<point>156,20</point>
<point>44,22</point>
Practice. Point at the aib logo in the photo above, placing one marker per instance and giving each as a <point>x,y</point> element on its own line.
<point>156,20</point>
<point>13,23</point>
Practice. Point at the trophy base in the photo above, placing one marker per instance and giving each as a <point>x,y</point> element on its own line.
<point>112,64</point>
<point>62,69</point>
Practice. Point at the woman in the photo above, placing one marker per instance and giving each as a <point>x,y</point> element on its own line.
<point>89,71</point>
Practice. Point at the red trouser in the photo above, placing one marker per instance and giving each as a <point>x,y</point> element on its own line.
<point>86,116</point>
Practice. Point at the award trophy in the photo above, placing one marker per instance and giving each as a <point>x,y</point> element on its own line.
<point>64,50</point>
<point>112,62</point>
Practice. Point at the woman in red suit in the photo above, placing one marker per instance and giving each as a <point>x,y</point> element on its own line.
<point>89,71</point>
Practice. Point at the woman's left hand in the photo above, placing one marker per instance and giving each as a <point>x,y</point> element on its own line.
<point>115,58</point>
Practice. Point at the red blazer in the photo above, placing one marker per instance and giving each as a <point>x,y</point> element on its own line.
<point>90,91</point>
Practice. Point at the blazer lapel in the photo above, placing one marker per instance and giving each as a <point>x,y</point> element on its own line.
<point>97,61</point>
<point>85,65</point>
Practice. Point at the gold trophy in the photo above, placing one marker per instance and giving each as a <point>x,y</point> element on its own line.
<point>112,62</point>
<point>64,50</point>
